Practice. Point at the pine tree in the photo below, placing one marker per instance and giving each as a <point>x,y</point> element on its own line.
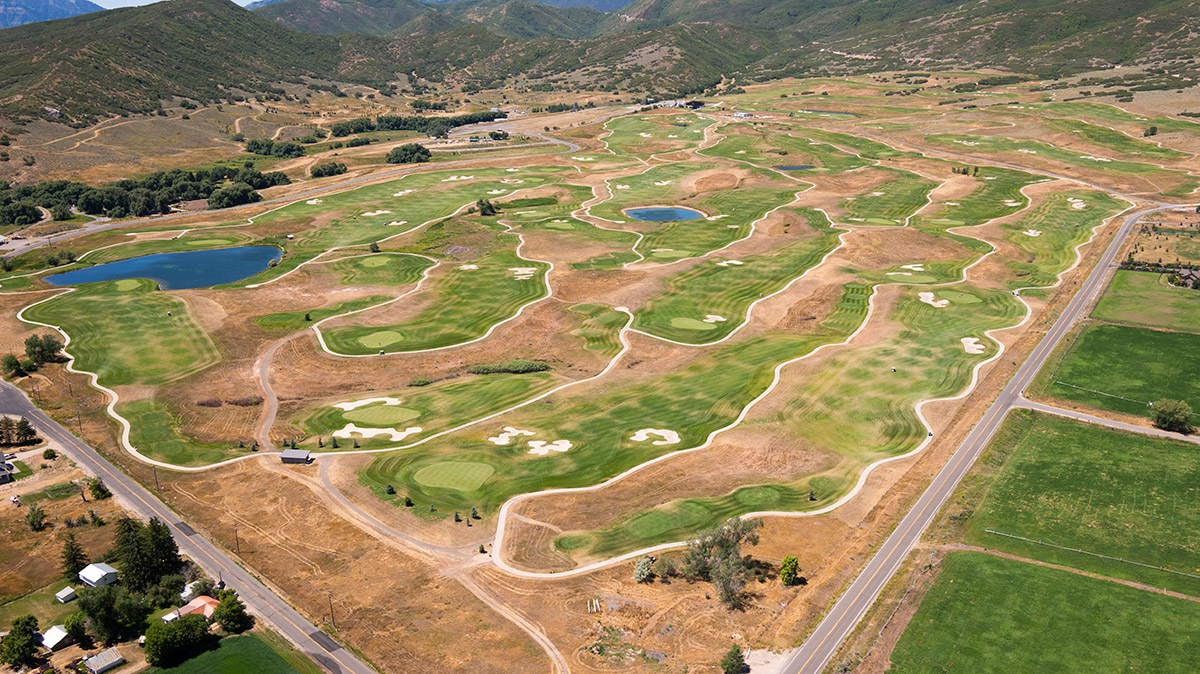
<point>789,570</point>
<point>74,558</point>
<point>163,551</point>
<point>733,662</point>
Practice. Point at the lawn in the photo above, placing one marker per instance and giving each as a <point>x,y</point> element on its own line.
<point>998,195</point>
<point>1124,368</point>
<point>238,655</point>
<point>891,203</point>
<point>103,319</point>
<point>1147,299</point>
<point>1096,489</point>
<point>642,135</point>
<point>1059,226</point>
<point>1025,618</point>
<point>155,433</point>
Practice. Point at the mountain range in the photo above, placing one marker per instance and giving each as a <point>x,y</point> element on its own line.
<point>128,60</point>
<point>18,12</point>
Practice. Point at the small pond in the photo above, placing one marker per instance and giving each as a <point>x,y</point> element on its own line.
<point>179,271</point>
<point>793,168</point>
<point>663,214</point>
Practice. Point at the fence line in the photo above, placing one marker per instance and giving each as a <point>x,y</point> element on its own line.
<point>1093,554</point>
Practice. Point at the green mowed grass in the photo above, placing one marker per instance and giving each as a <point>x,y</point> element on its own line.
<point>155,433</point>
<point>694,400</point>
<point>295,320</point>
<point>1062,227</point>
<point>1025,618</point>
<point>380,269</point>
<point>1170,182</point>
<point>627,137</point>
<point>727,290</point>
<point>466,303</point>
<point>1123,368</point>
<point>126,336</point>
<point>1096,489</point>
<point>199,239</point>
<point>999,189</point>
<point>892,202</point>
<point>1142,298</point>
<point>238,655</point>
<point>691,238</point>
<point>1111,113</point>
<point>599,328</point>
<point>1105,137</point>
<point>433,408</point>
<point>767,148</point>
<point>863,147</point>
<point>458,475</point>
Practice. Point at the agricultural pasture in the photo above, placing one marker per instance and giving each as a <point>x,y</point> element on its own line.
<point>1025,618</point>
<point>1140,298</point>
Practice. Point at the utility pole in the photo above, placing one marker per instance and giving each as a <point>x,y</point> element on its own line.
<point>331,618</point>
<point>155,469</point>
<point>236,544</point>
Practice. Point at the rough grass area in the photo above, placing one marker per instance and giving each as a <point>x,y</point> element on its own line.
<point>1112,139</point>
<point>294,320</point>
<point>238,655</point>
<point>998,195</point>
<point>155,433</point>
<point>126,336</point>
<point>1123,368</point>
<point>1025,618</point>
<point>1147,299</point>
<point>1096,489</point>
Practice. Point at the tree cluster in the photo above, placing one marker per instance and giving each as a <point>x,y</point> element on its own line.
<point>42,349</point>
<point>329,168</point>
<point>716,556</point>
<point>433,126</point>
<point>19,432</point>
<point>20,646</point>
<point>412,153</point>
<point>1173,415</point>
<point>269,148</point>
<point>146,553</point>
<point>168,644</point>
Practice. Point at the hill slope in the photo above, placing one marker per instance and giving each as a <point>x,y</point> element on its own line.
<point>20,12</point>
<point>509,18</point>
<point>334,17</point>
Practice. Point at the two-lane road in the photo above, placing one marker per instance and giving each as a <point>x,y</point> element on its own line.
<point>821,646</point>
<point>260,599</point>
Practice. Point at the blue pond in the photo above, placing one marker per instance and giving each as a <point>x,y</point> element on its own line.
<point>179,271</point>
<point>663,214</point>
<point>792,168</point>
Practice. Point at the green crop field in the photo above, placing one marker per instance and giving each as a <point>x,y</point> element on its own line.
<point>240,654</point>
<point>1092,488</point>
<point>1025,618</point>
<point>1148,299</point>
<point>1123,368</point>
<point>101,319</point>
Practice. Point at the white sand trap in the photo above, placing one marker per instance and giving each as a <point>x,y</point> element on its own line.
<point>740,152</point>
<point>403,192</point>
<point>507,436</point>
<point>454,179</point>
<point>584,158</point>
<point>714,218</point>
<point>731,226</point>
<point>969,143</point>
<point>560,221</point>
<point>697,131</point>
<point>1032,232</point>
<point>972,345</point>
<point>542,448</point>
<point>644,135</point>
<point>523,273</point>
<point>663,250</point>
<point>622,187</point>
<point>396,436</point>
<point>928,298</point>
<point>672,136</point>
<point>857,219</point>
<point>1024,151</point>
<point>1078,204</point>
<point>950,203</point>
<point>397,223</point>
<point>469,267</point>
<point>375,213</point>
<point>713,318</point>
<point>369,401</point>
<point>512,181</point>
<point>730,263</point>
<point>1088,156</point>
<point>314,202</point>
<point>497,191</point>
<point>668,437</point>
<point>1012,202</point>
<point>663,183</point>
<point>875,194</point>
<point>525,213</point>
<point>989,177</point>
<point>899,273</point>
<point>512,170</point>
<point>914,267</point>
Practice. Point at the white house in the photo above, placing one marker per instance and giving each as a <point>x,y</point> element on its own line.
<point>56,637</point>
<point>98,575</point>
<point>65,595</point>
<point>104,661</point>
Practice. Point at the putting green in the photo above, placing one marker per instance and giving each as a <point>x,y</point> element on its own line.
<point>378,340</point>
<point>960,298</point>
<point>692,324</point>
<point>128,284</point>
<point>670,254</point>
<point>460,475</point>
<point>658,522</point>
<point>559,225</point>
<point>757,496</point>
<point>210,242</point>
<point>381,415</point>
<point>374,261</point>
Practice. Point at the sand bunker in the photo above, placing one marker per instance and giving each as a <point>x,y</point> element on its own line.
<point>507,436</point>
<point>969,143</point>
<point>972,345</point>
<point>672,136</point>
<point>730,263</point>
<point>512,170</point>
<point>314,202</point>
<point>369,401</point>
<point>663,183</point>
<point>928,298</point>
<point>469,267</point>
<point>622,187</point>
<point>644,135</point>
<point>668,437</point>
<point>713,318</point>
<point>899,273</point>
<point>523,273</point>
<point>1032,232</point>
<point>454,179</point>
<point>512,181</point>
<point>1077,203</point>
<point>397,223</point>
<point>542,448</point>
<point>663,250</point>
<point>875,194</point>
<point>375,213</point>
<point>497,191</point>
<point>714,218</point>
<point>584,158</point>
<point>740,152</point>
<point>1088,156</point>
<point>914,267</point>
<point>403,192</point>
<point>1012,202</point>
<point>395,435</point>
<point>1024,151</point>
<point>951,203</point>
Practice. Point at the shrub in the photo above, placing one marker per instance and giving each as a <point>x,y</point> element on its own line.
<point>643,571</point>
<point>789,570</point>
<point>1173,415</point>
<point>49,455</point>
<point>250,401</point>
<point>514,366</point>
<point>420,382</point>
<point>209,402</point>
<point>412,153</point>
<point>332,168</point>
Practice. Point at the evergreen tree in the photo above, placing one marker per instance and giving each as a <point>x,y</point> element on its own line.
<point>161,548</point>
<point>733,662</point>
<point>74,558</point>
<point>230,613</point>
<point>789,570</point>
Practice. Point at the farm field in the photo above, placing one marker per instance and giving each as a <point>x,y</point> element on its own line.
<point>1080,624</point>
<point>1139,298</point>
<point>244,653</point>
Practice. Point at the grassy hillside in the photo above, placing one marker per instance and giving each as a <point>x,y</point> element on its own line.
<point>369,17</point>
<point>508,18</point>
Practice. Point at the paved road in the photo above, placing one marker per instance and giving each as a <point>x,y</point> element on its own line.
<point>264,603</point>
<point>820,647</point>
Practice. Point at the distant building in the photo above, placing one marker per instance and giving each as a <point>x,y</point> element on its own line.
<point>104,661</point>
<point>743,115</point>
<point>295,456</point>
<point>98,575</point>
<point>65,595</point>
<point>203,605</point>
<point>6,473</point>
<point>56,637</point>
